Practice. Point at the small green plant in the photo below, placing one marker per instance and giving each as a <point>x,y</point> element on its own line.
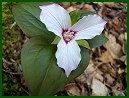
<point>9,35</point>
<point>47,67</point>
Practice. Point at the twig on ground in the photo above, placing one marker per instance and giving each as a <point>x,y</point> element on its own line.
<point>26,91</point>
<point>12,73</point>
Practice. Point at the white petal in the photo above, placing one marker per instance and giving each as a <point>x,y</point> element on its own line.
<point>68,56</point>
<point>88,27</point>
<point>55,18</point>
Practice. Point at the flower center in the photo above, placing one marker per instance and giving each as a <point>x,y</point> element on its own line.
<point>68,35</point>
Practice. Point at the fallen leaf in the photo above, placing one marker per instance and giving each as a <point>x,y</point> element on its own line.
<point>117,90</point>
<point>121,37</point>
<point>99,77</point>
<point>73,90</point>
<point>112,4</point>
<point>66,4</point>
<point>98,88</point>
<point>89,7</point>
<point>120,71</point>
<point>106,57</point>
<point>90,72</point>
<point>83,91</point>
<point>90,68</point>
<point>70,9</point>
<point>109,79</point>
<point>113,47</point>
<point>108,68</point>
<point>81,78</point>
<point>81,5</point>
<point>123,58</point>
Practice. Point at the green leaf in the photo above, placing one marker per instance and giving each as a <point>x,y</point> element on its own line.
<point>56,40</point>
<point>74,16</point>
<point>82,13</point>
<point>83,43</point>
<point>40,69</point>
<point>97,41</point>
<point>27,18</point>
<point>78,14</point>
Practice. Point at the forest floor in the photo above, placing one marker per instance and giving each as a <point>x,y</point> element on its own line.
<point>108,65</point>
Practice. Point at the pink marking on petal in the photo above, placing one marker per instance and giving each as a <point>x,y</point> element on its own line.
<point>68,35</point>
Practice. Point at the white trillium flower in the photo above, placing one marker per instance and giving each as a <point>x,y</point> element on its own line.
<point>57,20</point>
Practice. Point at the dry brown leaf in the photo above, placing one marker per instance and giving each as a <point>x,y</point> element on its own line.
<point>99,77</point>
<point>66,4</point>
<point>71,9</point>
<point>112,4</point>
<point>121,37</point>
<point>110,69</point>
<point>81,5</point>
<point>120,71</point>
<point>89,7</point>
<point>99,3</point>
<point>81,78</point>
<point>124,47</point>
<point>73,90</point>
<point>113,47</point>
<point>109,79</point>
<point>123,58</point>
<point>83,91</point>
<point>116,24</point>
<point>92,71</point>
<point>117,90</point>
<point>98,88</point>
<point>106,57</point>
<point>90,68</point>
